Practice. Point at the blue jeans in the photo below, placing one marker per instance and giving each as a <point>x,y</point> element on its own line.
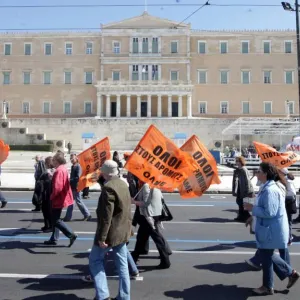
<point>284,254</point>
<point>131,264</point>
<point>96,263</point>
<point>83,209</point>
<point>269,261</point>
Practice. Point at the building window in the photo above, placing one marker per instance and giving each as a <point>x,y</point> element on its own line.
<point>223,47</point>
<point>224,77</point>
<point>89,48</point>
<point>26,77</point>
<point>174,47</point>
<point>89,77</point>
<point>116,75</point>
<point>224,107</point>
<point>267,77</point>
<point>46,107</point>
<point>48,49</point>
<point>201,47</point>
<point>25,107</point>
<point>268,107</point>
<point>202,77</point>
<point>245,77</point>
<point>267,47</point>
<point>69,48</point>
<point>288,45</point>
<point>135,72</point>
<point>7,110</point>
<point>67,108</point>
<point>289,77</point>
<point>202,108</point>
<point>145,45</point>
<point>290,107</point>
<point>246,107</point>
<point>47,77</point>
<point>245,47</point>
<point>145,72</point>
<point>116,47</point>
<point>135,45</point>
<point>68,77</point>
<point>27,49</point>
<point>154,45</point>
<point>174,75</point>
<point>154,72</point>
<point>7,49</point>
<point>88,108</point>
<point>6,78</point>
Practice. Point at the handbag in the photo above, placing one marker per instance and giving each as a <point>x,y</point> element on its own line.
<point>291,205</point>
<point>165,212</point>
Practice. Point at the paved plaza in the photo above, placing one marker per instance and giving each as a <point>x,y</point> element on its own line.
<point>209,250</point>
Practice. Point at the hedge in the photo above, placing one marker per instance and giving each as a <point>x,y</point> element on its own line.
<point>41,147</point>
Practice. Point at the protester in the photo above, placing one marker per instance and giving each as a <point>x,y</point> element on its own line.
<point>46,181</point>
<point>69,146</point>
<point>40,168</point>
<point>271,230</point>
<point>241,187</point>
<point>2,198</point>
<point>113,232</point>
<point>74,179</point>
<point>116,158</point>
<point>61,196</point>
<point>150,205</point>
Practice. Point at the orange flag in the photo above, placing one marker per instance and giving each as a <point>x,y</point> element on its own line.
<point>157,161</point>
<point>4,151</point>
<point>271,155</point>
<point>204,173</point>
<point>91,160</point>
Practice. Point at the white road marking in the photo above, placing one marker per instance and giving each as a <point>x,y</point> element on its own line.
<point>58,276</point>
<point>218,197</point>
<point>30,209</point>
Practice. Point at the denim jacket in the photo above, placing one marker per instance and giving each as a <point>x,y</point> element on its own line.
<point>271,228</point>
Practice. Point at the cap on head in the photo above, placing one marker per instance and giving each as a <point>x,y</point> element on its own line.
<point>110,168</point>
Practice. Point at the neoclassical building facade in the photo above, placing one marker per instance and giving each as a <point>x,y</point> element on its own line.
<point>148,67</point>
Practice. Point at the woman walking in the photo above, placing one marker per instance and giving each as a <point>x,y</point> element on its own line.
<point>271,230</point>
<point>241,187</point>
<point>150,205</point>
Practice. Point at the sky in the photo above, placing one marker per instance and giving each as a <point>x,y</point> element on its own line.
<point>208,18</point>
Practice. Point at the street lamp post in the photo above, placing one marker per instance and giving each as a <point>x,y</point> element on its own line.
<point>287,6</point>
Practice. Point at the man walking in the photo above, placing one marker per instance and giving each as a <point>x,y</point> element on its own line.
<point>113,231</point>
<point>69,146</point>
<point>74,178</point>
<point>2,198</point>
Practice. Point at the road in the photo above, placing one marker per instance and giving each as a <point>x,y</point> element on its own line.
<point>209,250</point>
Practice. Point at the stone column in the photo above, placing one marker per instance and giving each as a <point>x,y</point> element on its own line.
<point>159,106</point>
<point>180,106</point>
<point>128,106</point>
<point>108,106</point>
<point>189,106</point>
<point>149,106</point>
<point>188,72</point>
<point>118,106</point>
<point>99,104</point>
<point>169,106</point>
<point>138,108</point>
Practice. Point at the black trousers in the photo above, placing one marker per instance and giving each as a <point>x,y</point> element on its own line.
<point>57,222</point>
<point>144,232</point>
<point>136,220</point>
<point>46,209</point>
<point>242,212</point>
<point>85,192</point>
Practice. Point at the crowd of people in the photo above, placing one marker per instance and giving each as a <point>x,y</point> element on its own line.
<point>269,215</point>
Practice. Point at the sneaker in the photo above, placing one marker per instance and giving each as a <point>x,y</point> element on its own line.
<point>36,209</point>
<point>72,240</point>
<point>88,218</point>
<point>293,279</point>
<point>3,204</point>
<point>250,263</point>
<point>50,243</point>
<point>134,275</point>
<point>87,278</point>
<point>263,291</point>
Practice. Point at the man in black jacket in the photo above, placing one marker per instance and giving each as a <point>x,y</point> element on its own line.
<point>74,178</point>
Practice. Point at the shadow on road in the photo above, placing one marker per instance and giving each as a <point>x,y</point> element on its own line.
<point>15,232</point>
<point>56,296</point>
<point>29,247</point>
<point>233,268</point>
<point>212,220</point>
<point>215,292</point>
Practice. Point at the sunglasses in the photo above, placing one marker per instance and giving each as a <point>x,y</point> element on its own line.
<point>258,171</point>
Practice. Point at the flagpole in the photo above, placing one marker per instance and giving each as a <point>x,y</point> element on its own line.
<point>146,6</point>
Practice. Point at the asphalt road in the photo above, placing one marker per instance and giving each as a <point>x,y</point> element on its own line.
<point>209,250</point>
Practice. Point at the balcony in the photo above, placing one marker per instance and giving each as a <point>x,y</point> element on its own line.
<point>110,82</point>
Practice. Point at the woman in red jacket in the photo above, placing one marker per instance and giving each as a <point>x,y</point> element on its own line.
<point>61,197</point>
